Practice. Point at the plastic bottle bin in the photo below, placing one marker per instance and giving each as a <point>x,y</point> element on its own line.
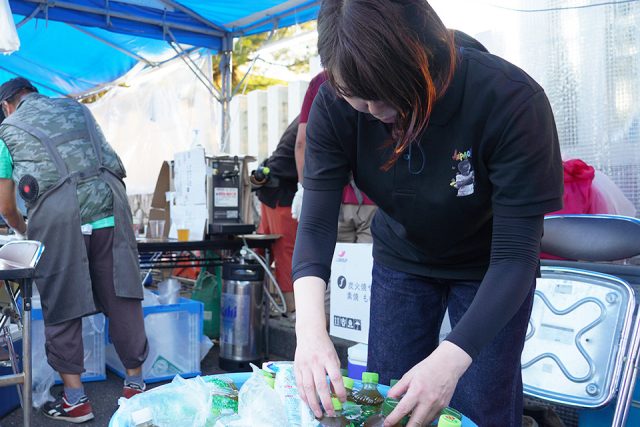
<point>174,333</point>
<point>357,360</point>
<point>93,338</point>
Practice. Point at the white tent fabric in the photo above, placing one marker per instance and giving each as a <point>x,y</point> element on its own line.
<point>9,41</point>
<point>157,114</point>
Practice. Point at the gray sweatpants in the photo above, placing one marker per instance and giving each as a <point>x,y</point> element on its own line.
<point>63,341</point>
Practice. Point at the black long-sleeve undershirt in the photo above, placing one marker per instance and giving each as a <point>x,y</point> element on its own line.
<point>508,281</point>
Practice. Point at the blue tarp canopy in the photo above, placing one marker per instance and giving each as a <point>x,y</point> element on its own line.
<point>72,47</point>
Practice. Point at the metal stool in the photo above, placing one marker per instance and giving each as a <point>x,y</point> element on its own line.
<point>18,260</point>
<point>590,305</point>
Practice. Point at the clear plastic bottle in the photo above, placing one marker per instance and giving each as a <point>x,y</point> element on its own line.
<point>338,420</point>
<point>368,397</point>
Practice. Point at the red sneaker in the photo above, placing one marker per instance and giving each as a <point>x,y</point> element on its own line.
<point>131,389</point>
<point>62,410</point>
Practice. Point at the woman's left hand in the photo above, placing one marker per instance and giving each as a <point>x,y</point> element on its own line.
<point>428,386</point>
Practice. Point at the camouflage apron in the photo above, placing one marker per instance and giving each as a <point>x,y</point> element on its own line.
<point>62,275</point>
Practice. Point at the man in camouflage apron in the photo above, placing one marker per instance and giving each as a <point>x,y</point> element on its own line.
<point>54,154</point>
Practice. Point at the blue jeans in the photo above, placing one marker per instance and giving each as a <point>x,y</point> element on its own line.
<point>406,315</point>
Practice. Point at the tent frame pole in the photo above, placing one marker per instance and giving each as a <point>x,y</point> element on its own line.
<point>226,64</point>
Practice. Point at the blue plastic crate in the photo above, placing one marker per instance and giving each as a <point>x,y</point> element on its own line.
<point>174,333</point>
<point>9,399</point>
<point>93,337</point>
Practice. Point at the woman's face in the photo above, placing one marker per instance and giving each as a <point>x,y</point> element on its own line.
<point>378,109</point>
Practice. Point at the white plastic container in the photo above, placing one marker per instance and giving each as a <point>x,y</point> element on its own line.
<point>357,360</point>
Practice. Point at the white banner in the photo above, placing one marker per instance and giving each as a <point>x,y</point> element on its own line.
<point>351,291</point>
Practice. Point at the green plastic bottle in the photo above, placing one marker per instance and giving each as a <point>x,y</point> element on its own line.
<point>447,420</point>
<point>388,406</point>
<point>269,378</point>
<point>368,397</point>
<point>450,411</point>
<point>338,420</point>
<point>350,409</point>
<point>348,386</point>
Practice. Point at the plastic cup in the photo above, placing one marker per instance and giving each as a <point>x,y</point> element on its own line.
<point>156,228</point>
<point>183,234</point>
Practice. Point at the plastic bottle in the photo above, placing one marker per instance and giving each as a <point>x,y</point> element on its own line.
<point>348,386</point>
<point>368,397</point>
<point>269,378</point>
<point>451,411</point>
<point>338,420</point>
<point>389,404</point>
<point>377,420</point>
<point>447,420</point>
<point>143,418</point>
<point>350,409</point>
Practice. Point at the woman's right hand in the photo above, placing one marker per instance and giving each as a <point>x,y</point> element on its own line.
<point>315,356</point>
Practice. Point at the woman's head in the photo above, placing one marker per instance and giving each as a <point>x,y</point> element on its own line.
<point>392,58</point>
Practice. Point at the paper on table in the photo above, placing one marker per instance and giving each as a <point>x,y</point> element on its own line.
<point>190,172</point>
<point>193,217</point>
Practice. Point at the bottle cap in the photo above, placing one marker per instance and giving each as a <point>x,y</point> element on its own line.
<point>370,377</point>
<point>447,420</point>
<point>451,411</point>
<point>348,382</point>
<point>337,405</point>
<point>142,416</point>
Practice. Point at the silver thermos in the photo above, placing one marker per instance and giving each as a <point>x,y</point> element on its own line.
<point>241,316</point>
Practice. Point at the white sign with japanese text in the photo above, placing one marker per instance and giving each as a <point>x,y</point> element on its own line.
<point>350,285</point>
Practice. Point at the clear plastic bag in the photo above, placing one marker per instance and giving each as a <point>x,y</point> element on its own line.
<point>205,346</point>
<point>169,291</point>
<point>181,403</point>
<point>42,380</point>
<point>259,404</point>
<point>9,41</point>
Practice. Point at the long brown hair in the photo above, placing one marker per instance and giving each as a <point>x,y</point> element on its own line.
<point>396,51</point>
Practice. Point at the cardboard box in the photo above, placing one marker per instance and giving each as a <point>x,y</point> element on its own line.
<point>159,204</point>
<point>351,291</point>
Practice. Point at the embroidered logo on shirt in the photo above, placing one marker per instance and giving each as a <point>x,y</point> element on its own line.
<point>464,179</point>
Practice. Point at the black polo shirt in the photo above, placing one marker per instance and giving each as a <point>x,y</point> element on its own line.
<point>491,147</point>
<point>282,163</point>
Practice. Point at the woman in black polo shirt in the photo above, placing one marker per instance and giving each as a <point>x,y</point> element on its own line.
<point>459,150</point>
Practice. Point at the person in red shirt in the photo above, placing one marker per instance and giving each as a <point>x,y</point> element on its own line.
<point>357,210</point>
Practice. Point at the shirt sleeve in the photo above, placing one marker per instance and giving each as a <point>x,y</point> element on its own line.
<point>6,162</point>
<point>326,164</point>
<point>508,282</point>
<point>310,95</point>
<point>525,166</point>
<point>317,234</point>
